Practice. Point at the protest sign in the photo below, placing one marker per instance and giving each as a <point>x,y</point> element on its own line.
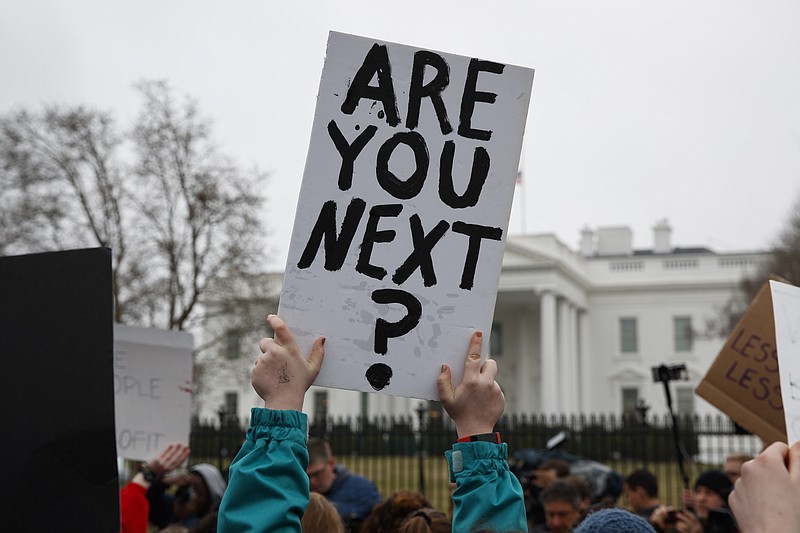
<point>152,390</point>
<point>59,465</point>
<point>399,233</point>
<point>786,308</point>
<point>744,381</point>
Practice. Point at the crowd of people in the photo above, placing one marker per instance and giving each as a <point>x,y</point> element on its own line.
<point>282,481</point>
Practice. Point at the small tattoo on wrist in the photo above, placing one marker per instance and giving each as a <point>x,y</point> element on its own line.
<point>283,374</point>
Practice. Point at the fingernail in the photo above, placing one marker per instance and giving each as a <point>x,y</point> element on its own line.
<point>479,334</point>
<point>444,368</point>
<point>323,341</point>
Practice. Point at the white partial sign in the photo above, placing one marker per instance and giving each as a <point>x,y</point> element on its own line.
<point>401,223</point>
<point>152,390</point>
<point>786,308</point>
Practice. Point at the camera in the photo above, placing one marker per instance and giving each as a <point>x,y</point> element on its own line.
<point>666,373</point>
<point>184,493</point>
<point>671,518</point>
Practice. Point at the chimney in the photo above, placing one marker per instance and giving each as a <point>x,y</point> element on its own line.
<point>614,241</point>
<point>587,242</point>
<point>661,236</point>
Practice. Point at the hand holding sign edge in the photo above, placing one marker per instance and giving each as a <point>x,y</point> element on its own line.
<point>476,404</point>
<point>282,374</point>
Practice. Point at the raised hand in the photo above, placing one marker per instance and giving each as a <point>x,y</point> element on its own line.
<point>282,375</point>
<point>477,403</point>
<point>766,496</point>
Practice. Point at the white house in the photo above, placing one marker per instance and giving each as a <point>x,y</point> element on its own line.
<point>575,331</point>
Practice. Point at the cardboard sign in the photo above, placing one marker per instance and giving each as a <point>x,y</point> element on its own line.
<point>152,390</point>
<point>744,380</point>
<point>56,337</point>
<point>398,239</point>
<point>786,307</point>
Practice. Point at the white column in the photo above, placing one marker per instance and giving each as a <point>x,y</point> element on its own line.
<point>565,364</point>
<point>524,393</point>
<point>575,383</point>
<point>585,365</point>
<point>549,372</point>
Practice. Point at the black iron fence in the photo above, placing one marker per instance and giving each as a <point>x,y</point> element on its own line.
<point>407,452</point>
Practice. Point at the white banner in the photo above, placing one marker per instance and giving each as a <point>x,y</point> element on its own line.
<point>152,390</point>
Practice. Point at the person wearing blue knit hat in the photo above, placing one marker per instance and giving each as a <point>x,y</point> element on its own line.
<point>614,521</point>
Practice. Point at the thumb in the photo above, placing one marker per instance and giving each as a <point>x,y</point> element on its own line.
<point>317,355</point>
<point>445,385</point>
<point>794,462</point>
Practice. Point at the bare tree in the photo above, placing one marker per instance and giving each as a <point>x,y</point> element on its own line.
<point>179,216</point>
<point>783,262</point>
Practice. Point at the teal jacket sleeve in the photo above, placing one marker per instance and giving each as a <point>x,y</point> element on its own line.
<point>487,495</point>
<point>268,486</point>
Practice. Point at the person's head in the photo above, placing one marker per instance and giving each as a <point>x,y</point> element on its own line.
<point>641,490</point>
<point>320,465</point>
<point>711,491</point>
<point>562,503</point>
<point>387,515</point>
<point>550,470</point>
<point>583,490</point>
<point>321,516</point>
<point>614,521</point>
<point>200,492</point>
<point>733,465</point>
<point>425,520</point>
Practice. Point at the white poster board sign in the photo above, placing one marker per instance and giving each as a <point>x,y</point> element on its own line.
<point>786,309</point>
<point>401,223</point>
<point>152,390</point>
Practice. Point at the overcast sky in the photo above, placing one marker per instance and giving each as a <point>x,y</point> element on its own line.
<point>688,110</point>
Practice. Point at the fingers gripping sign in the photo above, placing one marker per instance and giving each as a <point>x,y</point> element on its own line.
<point>282,374</point>
<point>476,404</point>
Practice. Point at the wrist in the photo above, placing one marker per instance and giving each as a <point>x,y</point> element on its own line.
<point>284,404</point>
<point>493,437</point>
<point>139,479</point>
<point>468,430</point>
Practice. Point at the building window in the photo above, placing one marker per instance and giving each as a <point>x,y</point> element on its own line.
<point>320,405</point>
<point>496,340</point>
<point>233,344</point>
<point>231,407</point>
<point>627,335</point>
<point>684,399</point>
<point>630,399</point>
<point>683,333</point>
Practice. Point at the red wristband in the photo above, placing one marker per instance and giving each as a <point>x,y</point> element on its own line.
<point>483,437</point>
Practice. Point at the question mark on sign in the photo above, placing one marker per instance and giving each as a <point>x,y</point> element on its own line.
<point>379,374</point>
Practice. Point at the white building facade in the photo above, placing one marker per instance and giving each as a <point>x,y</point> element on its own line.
<point>575,331</point>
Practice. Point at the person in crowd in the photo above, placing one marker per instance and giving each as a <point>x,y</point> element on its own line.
<point>614,521</point>
<point>583,490</point>
<point>548,471</point>
<point>426,520</point>
<point>562,507</point>
<point>387,515</point>
<point>190,499</point>
<point>733,465</point>
<point>710,513</point>
<point>269,489</point>
<point>766,496</point>
<point>641,492</point>
<point>541,477</point>
<point>353,496</point>
<point>134,506</point>
<point>321,516</point>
